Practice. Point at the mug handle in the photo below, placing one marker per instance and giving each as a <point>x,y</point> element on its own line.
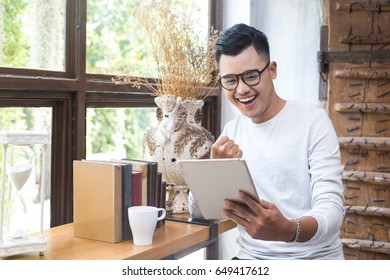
<point>163,213</point>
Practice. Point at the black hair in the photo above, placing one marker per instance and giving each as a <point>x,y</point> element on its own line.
<point>239,37</point>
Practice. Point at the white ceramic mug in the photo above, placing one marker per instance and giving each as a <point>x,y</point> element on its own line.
<point>143,220</point>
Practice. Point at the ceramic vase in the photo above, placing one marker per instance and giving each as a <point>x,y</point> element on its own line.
<point>178,135</point>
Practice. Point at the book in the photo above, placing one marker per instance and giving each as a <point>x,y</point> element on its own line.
<point>136,178</point>
<point>158,201</point>
<point>97,188</point>
<point>163,196</point>
<point>127,199</point>
<point>158,191</point>
<point>153,184</point>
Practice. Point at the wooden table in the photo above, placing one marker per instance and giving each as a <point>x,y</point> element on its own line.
<point>171,241</point>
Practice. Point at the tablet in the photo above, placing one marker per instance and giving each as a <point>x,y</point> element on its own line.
<point>213,180</point>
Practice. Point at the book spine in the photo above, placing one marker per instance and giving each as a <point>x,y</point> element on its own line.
<point>158,201</point>
<point>137,187</point>
<point>127,200</point>
<point>152,184</point>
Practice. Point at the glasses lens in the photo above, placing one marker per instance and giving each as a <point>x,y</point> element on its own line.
<point>251,78</point>
<point>229,81</point>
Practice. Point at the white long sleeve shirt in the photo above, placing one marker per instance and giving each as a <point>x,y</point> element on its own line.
<point>294,160</point>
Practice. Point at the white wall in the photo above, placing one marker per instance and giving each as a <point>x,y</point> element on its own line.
<point>293,31</point>
<point>235,11</point>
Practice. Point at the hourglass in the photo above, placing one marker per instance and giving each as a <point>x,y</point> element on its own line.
<point>15,219</point>
<point>19,166</point>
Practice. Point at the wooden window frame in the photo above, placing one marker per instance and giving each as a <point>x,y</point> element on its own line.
<point>71,92</point>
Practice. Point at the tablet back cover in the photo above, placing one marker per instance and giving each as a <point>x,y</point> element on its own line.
<point>213,180</point>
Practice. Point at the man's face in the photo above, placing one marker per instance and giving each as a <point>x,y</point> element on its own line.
<point>255,101</point>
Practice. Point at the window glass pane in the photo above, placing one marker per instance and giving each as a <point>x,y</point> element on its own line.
<point>116,40</point>
<point>38,120</point>
<point>32,34</point>
<point>116,133</point>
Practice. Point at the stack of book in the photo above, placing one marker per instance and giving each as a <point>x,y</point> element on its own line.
<point>104,190</point>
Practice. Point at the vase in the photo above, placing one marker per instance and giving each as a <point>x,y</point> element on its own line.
<point>178,135</point>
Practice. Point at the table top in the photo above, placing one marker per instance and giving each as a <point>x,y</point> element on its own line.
<point>168,239</point>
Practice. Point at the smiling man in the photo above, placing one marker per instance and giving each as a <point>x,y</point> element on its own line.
<point>292,153</point>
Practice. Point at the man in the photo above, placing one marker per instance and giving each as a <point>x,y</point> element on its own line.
<point>292,153</point>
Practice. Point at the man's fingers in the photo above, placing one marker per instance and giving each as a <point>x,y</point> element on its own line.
<point>239,209</point>
<point>238,154</point>
<point>221,140</point>
<point>237,219</point>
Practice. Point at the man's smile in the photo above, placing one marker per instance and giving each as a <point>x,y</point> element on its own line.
<point>247,100</point>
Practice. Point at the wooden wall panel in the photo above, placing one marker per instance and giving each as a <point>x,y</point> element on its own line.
<point>366,161</point>
<point>359,25</point>
<point>358,82</point>
<point>355,227</point>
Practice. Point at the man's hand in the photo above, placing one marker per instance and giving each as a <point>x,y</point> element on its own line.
<point>225,148</point>
<point>261,220</point>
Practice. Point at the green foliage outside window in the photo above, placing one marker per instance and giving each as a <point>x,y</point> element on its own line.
<point>117,41</point>
<point>114,39</point>
<point>14,47</point>
<point>117,129</point>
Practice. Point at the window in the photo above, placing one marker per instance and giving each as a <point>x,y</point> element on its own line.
<point>57,61</point>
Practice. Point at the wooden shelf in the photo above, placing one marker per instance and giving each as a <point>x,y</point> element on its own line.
<point>169,239</point>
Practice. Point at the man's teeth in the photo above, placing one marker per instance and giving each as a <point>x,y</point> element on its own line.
<point>246,100</point>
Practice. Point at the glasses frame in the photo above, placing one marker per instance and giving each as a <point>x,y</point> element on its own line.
<point>241,75</point>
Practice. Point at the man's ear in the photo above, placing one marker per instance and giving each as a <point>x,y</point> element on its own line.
<point>273,69</point>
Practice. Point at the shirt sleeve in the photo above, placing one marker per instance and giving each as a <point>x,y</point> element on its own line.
<point>194,208</point>
<point>326,178</point>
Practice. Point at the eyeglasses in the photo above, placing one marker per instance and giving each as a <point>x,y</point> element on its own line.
<point>249,77</point>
